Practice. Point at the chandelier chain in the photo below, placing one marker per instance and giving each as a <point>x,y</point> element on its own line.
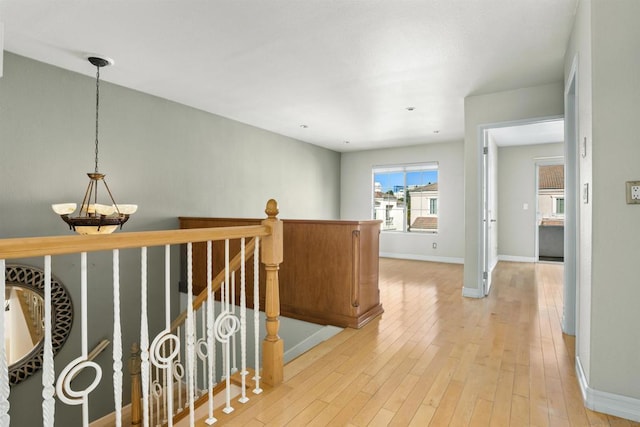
<point>97,109</point>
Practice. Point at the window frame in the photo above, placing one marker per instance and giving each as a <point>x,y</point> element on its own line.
<point>405,169</point>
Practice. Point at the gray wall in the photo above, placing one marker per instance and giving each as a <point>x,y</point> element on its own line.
<point>357,198</point>
<point>517,186</point>
<point>606,43</point>
<point>170,159</point>
<point>510,106</point>
<point>578,59</point>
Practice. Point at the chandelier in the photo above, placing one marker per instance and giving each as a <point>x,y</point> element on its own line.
<point>95,218</point>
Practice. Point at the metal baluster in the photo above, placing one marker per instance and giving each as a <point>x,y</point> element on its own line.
<point>243,323</point>
<point>189,335</point>
<point>5,419</point>
<point>210,339</point>
<point>117,339</point>
<point>48,374</point>
<point>256,314</point>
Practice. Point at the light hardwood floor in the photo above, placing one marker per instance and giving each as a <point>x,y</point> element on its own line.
<point>436,358</point>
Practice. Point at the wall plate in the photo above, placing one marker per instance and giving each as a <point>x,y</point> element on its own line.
<point>585,193</point>
<point>633,192</point>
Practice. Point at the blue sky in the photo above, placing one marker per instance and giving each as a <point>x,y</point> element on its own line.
<point>389,180</point>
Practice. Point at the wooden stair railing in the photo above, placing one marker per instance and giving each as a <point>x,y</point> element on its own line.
<point>270,235</point>
<point>200,299</point>
<point>234,265</point>
<point>273,348</point>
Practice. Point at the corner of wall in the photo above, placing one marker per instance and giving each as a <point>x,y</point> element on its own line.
<point>1,48</point>
<point>608,403</point>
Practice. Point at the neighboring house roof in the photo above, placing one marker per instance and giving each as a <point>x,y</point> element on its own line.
<point>380,195</point>
<point>551,177</point>
<point>425,223</point>
<point>428,187</point>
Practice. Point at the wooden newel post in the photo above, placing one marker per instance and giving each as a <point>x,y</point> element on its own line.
<point>271,254</point>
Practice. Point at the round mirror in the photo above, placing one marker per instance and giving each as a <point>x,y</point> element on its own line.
<point>24,319</point>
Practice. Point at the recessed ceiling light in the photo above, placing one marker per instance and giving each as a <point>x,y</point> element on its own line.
<point>304,126</point>
<point>411,108</point>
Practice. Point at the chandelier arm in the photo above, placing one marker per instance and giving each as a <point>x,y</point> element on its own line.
<point>86,199</point>
<point>111,196</point>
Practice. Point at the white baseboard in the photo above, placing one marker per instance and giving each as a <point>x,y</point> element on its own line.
<point>472,292</point>
<point>512,258</point>
<point>609,403</point>
<point>311,341</point>
<point>448,260</point>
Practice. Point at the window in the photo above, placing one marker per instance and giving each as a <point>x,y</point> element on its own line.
<point>433,206</point>
<point>559,206</point>
<point>405,197</point>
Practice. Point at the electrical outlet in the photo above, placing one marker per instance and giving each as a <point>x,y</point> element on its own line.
<point>435,245</point>
<point>633,192</point>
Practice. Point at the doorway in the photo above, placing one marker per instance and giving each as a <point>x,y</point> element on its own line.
<point>550,210</point>
<point>516,216</point>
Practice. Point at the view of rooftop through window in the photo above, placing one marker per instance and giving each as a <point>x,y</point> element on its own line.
<point>405,198</point>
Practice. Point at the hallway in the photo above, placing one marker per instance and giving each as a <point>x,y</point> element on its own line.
<point>436,358</point>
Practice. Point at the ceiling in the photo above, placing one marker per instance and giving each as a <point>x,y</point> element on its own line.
<point>342,74</point>
<point>542,132</point>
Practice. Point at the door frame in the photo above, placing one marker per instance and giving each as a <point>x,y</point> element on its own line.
<point>483,131</point>
<point>572,196</point>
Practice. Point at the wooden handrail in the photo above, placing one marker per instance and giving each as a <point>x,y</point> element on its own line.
<point>234,265</point>
<point>63,245</point>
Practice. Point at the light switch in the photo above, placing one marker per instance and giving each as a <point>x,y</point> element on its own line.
<point>633,192</point>
<point>525,206</point>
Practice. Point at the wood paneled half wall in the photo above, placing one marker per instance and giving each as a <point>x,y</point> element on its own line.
<point>329,274</point>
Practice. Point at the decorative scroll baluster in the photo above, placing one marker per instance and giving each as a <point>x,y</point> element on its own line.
<point>63,386</point>
<point>117,339</point>
<point>224,331</point>
<point>203,347</point>
<point>48,374</point>
<point>256,315</point>
<point>144,338</point>
<point>243,324</point>
<point>167,315</point>
<point>234,361</point>
<point>166,362</point>
<point>178,372</point>
<point>4,369</point>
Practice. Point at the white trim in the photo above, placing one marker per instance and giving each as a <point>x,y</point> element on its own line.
<point>311,341</point>
<point>493,265</point>
<point>609,403</point>
<point>513,258</point>
<point>415,257</point>
<point>472,292</point>
<point>572,151</point>
<point>405,167</point>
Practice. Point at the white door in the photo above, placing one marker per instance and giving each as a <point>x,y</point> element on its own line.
<point>490,209</point>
